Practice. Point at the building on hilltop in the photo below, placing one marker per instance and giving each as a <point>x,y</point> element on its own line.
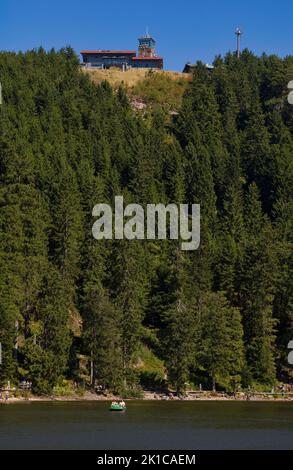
<point>146,58</point>
<point>107,59</point>
<point>146,46</point>
<point>190,68</point>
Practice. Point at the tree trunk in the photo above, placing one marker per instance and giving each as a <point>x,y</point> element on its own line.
<point>214,384</point>
<point>92,370</point>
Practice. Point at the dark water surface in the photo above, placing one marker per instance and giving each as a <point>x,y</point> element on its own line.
<point>147,425</point>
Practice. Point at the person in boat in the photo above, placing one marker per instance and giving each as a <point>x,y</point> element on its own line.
<point>122,403</point>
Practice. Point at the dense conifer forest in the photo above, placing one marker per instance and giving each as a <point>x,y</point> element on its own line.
<point>146,313</point>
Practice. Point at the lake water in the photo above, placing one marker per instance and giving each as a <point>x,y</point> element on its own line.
<point>147,425</point>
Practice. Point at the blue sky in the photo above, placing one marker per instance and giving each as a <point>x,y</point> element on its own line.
<point>185,30</point>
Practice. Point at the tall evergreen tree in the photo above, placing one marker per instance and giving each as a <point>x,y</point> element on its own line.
<point>257,279</point>
<point>219,346</point>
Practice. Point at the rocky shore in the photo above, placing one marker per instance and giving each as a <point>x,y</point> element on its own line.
<point>151,395</point>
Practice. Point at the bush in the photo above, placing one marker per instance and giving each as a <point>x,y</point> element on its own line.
<point>65,388</point>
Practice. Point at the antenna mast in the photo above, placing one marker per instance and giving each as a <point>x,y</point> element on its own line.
<point>238,34</point>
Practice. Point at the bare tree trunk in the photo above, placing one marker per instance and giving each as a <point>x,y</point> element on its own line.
<point>92,369</point>
<point>214,384</point>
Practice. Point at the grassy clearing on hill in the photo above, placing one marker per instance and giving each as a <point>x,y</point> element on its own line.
<point>130,78</point>
<point>163,88</point>
<point>116,77</point>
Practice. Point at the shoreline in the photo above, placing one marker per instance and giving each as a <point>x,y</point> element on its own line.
<point>151,396</point>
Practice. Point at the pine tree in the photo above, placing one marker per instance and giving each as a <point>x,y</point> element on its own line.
<point>129,285</point>
<point>256,291</point>
<point>8,316</point>
<point>103,338</point>
<point>67,234</point>
<point>256,153</point>
<point>219,345</point>
<point>46,352</point>
<point>178,319</point>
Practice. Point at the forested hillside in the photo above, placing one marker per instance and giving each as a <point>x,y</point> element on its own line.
<point>145,312</point>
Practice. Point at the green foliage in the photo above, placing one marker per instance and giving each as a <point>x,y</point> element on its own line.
<point>151,368</point>
<point>219,339</point>
<point>145,310</point>
<point>161,89</point>
<point>41,368</point>
<point>103,338</point>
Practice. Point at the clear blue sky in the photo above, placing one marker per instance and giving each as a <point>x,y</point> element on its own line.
<point>185,30</point>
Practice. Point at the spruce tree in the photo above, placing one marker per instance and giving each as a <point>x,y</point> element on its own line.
<point>257,284</point>
<point>219,345</point>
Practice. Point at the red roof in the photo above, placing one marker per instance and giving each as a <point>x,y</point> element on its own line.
<point>109,52</point>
